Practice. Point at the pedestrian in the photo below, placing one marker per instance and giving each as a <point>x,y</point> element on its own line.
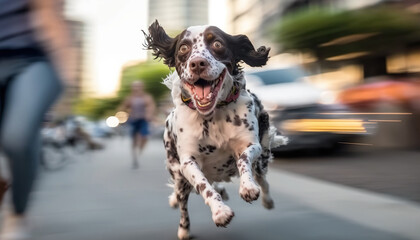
<point>35,55</point>
<point>141,108</point>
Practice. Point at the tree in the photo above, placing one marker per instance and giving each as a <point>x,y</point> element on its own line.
<point>151,73</point>
<point>371,32</point>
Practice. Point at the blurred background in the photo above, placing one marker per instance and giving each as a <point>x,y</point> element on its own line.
<point>343,83</point>
<point>344,68</point>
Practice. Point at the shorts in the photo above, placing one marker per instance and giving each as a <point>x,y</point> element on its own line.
<point>139,126</point>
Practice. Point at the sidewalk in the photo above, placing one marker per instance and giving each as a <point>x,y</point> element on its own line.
<point>99,197</point>
<point>373,210</point>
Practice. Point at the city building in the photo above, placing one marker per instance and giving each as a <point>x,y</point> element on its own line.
<point>177,15</point>
<point>74,86</point>
<point>256,19</point>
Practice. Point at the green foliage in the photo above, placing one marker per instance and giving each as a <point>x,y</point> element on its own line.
<point>96,108</point>
<point>309,29</point>
<point>150,73</point>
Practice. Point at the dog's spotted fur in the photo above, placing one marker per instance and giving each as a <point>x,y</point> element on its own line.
<point>211,144</point>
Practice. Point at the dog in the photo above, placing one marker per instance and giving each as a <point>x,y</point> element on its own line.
<point>218,129</point>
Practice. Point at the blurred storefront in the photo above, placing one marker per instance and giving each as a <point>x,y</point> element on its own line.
<point>363,54</point>
<point>356,56</point>
<point>73,88</point>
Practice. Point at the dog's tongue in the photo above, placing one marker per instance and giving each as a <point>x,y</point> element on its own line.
<point>202,92</point>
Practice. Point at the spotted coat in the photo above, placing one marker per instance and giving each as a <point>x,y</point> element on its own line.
<point>211,145</point>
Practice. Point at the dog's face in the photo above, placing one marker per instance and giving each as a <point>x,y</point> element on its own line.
<point>206,60</point>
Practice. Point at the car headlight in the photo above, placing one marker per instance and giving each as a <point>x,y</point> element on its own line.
<point>346,126</point>
<point>328,97</point>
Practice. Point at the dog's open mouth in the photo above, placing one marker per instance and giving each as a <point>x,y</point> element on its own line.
<point>205,91</point>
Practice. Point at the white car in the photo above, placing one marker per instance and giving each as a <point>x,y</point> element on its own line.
<point>282,88</point>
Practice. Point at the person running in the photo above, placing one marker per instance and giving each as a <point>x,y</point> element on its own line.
<point>141,108</point>
<point>35,57</point>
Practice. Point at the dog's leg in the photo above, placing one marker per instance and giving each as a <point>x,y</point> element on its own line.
<point>221,213</point>
<point>172,162</point>
<point>221,190</point>
<point>173,203</point>
<point>182,191</point>
<point>267,201</point>
<point>248,189</point>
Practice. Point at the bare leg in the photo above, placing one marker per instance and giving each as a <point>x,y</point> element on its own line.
<point>142,142</point>
<point>134,151</point>
<point>139,142</point>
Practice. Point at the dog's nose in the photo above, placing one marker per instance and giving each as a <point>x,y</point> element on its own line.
<point>198,65</point>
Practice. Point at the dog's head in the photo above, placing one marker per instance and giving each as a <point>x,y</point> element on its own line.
<point>206,60</point>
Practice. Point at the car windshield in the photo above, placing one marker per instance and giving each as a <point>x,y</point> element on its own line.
<point>277,76</point>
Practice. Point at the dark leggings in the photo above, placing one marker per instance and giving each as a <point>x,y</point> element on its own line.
<point>27,97</point>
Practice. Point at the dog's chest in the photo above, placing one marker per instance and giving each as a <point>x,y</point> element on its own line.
<point>216,160</point>
<point>211,141</point>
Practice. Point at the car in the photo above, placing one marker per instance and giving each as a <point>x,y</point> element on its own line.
<point>392,104</point>
<point>298,110</point>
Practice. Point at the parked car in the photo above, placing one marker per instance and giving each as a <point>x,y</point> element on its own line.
<point>296,110</point>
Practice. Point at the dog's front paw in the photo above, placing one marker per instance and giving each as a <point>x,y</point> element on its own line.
<point>249,191</point>
<point>222,216</point>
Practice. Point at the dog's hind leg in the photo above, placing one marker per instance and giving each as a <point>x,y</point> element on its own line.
<point>182,191</point>
<point>260,171</point>
<point>267,201</point>
<point>172,163</point>
<point>173,202</point>
<point>268,139</point>
<point>221,190</point>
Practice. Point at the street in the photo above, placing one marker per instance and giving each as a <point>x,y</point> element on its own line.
<point>98,196</point>
<point>392,172</point>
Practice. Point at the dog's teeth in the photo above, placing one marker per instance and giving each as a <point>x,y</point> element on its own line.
<point>203,105</point>
<point>214,84</point>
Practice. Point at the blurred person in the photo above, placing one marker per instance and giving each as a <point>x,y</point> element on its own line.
<point>35,57</point>
<point>141,108</point>
<point>77,137</point>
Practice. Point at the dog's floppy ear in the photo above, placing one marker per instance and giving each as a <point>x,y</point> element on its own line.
<point>245,51</point>
<point>162,45</point>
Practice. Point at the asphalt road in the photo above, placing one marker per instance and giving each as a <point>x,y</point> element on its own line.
<point>393,172</point>
<point>97,196</point>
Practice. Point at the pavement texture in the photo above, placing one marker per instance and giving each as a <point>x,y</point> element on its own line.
<point>98,196</point>
<point>393,172</point>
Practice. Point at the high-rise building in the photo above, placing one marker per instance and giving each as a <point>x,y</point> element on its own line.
<point>176,15</point>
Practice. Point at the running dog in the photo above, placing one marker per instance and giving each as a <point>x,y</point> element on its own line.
<point>218,129</point>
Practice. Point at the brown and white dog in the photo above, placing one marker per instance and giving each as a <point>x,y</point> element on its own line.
<point>218,129</point>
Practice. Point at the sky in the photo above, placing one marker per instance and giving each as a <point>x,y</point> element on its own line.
<point>114,37</point>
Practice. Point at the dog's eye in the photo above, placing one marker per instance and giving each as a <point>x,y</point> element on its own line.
<point>217,44</point>
<point>184,48</point>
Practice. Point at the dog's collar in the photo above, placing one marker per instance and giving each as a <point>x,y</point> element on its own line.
<point>233,95</point>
